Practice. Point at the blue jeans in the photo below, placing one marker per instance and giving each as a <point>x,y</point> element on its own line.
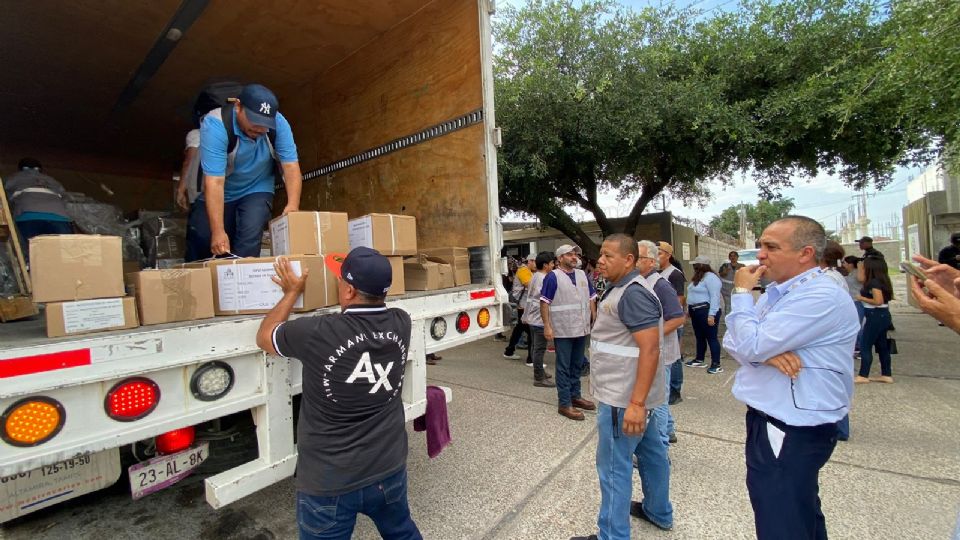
<point>876,323</point>
<point>653,465</point>
<point>243,219</point>
<point>569,366</point>
<point>860,310</point>
<point>35,227</point>
<point>615,470</point>
<point>706,334</point>
<point>676,369</point>
<point>667,423</point>
<point>333,518</point>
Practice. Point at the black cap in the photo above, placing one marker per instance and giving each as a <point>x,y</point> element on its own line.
<point>368,271</point>
<point>955,237</point>
<point>865,239</point>
<point>260,105</point>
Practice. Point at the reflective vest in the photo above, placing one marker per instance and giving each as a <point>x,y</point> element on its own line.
<point>670,345</point>
<point>614,354</point>
<point>570,309</point>
<point>531,312</point>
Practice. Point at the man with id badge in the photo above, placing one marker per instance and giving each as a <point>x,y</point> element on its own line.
<point>626,377</point>
<point>795,348</point>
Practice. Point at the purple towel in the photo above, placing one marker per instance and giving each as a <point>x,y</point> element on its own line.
<point>435,422</point>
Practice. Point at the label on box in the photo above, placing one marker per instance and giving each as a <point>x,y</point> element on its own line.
<point>280,235</point>
<point>87,315</point>
<point>247,287</point>
<point>361,232</point>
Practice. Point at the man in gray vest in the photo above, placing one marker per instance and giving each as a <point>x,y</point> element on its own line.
<point>653,463</point>
<point>568,307</point>
<point>36,202</point>
<point>670,271</point>
<point>626,376</point>
<point>531,316</point>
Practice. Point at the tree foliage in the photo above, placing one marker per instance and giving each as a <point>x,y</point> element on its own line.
<point>592,97</point>
<point>757,216</point>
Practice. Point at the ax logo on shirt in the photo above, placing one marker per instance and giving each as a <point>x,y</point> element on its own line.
<point>365,370</point>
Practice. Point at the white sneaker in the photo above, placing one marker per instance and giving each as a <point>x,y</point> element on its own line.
<point>513,356</point>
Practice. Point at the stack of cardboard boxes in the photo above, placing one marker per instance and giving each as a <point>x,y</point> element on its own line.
<point>81,277</point>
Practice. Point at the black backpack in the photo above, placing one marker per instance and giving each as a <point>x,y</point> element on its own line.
<point>219,95</point>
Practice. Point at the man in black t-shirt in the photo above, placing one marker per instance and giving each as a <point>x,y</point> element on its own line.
<point>950,255</point>
<point>351,437</point>
<point>866,244</point>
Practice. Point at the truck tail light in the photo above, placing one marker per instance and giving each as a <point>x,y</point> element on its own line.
<point>132,399</point>
<point>32,421</point>
<point>483,318</point>
<point>174,441</point>
<point>211,381</point>
<point>438,328</point>
<point>463,322</point>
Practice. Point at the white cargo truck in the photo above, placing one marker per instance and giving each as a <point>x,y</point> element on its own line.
<point>391,105</point>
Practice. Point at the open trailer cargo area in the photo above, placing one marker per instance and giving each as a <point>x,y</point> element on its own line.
<point>391,105</point>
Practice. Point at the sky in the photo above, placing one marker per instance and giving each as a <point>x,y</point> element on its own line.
<point>823,198</point>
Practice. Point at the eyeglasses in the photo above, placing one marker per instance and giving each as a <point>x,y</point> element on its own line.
<point>818,397</point>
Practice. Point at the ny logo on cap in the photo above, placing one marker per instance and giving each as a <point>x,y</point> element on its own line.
<point>265,108</point>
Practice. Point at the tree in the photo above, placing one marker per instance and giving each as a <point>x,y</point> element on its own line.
<point>757,216</point>
<point>595,98</point>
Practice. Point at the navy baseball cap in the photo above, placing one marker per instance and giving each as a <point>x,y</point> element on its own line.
<point>260,105</point>
<point>364,268</point>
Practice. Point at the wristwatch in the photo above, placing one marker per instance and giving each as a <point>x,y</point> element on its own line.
<point>739,290</point>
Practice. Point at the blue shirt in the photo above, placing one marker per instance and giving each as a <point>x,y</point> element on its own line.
<point>812,316</point>
<point>707,291</point>
<point>253,168</point>
<point>549,289</point>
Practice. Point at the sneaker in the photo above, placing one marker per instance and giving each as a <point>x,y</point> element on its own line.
<point>674,398</point>
<point>513,356</point>
<point>544,383</point>
<point>672,438</point>
<point>860,380</point>
<point>696,363</point>
<point>636,510</point>
<point>713,370</point>
<point>500,337</point>
<point>529,363</point>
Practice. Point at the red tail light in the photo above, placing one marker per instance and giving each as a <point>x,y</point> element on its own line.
<point>132,399</point>
<point>463,322</point>
<point>174,441</point>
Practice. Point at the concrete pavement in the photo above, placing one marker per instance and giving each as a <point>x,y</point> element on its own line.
<point>518,470</point>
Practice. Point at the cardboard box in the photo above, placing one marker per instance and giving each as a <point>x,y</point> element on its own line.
<point>173,295</point>
<point>397,286</point>
<point>309,233</point>
<point>86,316</point>
<point>245,286</point>
<point>423,273</point>
<point>458,258</point>
<point>390,234</point>
<point>70,267</point>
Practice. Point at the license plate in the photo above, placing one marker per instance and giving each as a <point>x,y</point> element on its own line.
<point>48,485</point>
<point>164,471</point>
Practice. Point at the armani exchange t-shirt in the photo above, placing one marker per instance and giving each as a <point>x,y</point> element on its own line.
<point>351,431</point>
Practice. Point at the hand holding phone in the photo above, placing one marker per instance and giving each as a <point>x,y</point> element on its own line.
<point>914,270</point>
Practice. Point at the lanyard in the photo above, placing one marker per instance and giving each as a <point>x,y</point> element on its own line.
<point>809,277</point>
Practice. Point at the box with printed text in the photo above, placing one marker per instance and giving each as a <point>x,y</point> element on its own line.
<point>245,286</point>
<point>390,234</point>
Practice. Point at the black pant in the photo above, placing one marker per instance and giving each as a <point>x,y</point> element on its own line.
<point>518,330</point>
<point>876,323</point>
<point>706,334</point>
<point>784,491</point>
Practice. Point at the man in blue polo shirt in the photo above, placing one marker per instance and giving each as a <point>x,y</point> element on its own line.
<point>237,198</point>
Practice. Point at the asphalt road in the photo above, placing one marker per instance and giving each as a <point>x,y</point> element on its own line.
<point>518,470</point>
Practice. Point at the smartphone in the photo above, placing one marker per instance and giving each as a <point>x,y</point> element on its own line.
<point>913,270</point>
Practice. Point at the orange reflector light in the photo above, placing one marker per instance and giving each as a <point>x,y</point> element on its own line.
<point>32,421</point>
<point>132,399</point>
<point>483,317</point>
<point>463,322</point>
